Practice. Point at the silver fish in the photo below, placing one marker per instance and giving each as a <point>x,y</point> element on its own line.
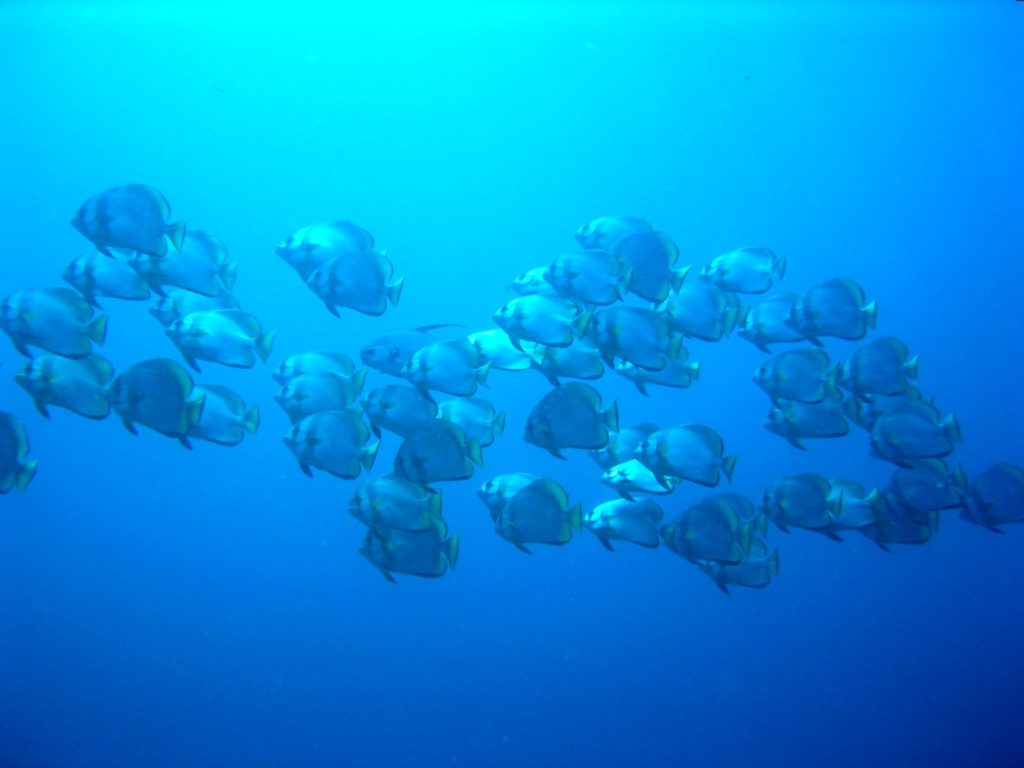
<point>337,442</point>
<point>158,394</point>
<point>58,320</point>
<point>133,217</point>
<point>78,385</point>
<point>230,337</point>
<point>15,470</point>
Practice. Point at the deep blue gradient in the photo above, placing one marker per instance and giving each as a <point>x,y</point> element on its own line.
<point>160,607</point>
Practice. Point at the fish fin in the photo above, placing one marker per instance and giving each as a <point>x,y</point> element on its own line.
<point>358,380</point>
<point>625,494</point>
<point>729,466</point>
<point>251,420</point>
<point>606,544</point>
<point>41,407</point>
<point>305,468</point>
<point>387,575</point>
<point>521,547</point>
<point>576,517</point>
<point>228,273</point>
<point>332,309</point>
<point>25,474</point>
<point>554,452</point>
<point>473,452</point>
<point>885,547</point>
<point>481,373</point>
<point>833,535</point>
<point>375,429</point>
<point>960,479</point>
<point>952,429</point>
<point>22,348</point>
<point>176,234</point>
<point>910,367</point>
<point>264,344</point>
<point>795,442</point>
<point>722,585</point>
<point>97,328</point>
<point>395,291</point>
<point>105,251</point>
<point>773,563</point>
<point>194,411</point>
<point>451,550</point>
<point>871,314</point>
<point>579,325</point>
<point>694,369</point>
<point>498,424</point>
<point>622,284</point>
<point>183,439</point>
<point>664,482</point>
<point>641,387</point>
<point>675,348</point>
<point>815,341</point>
<point>610,416</point>
<point>191,361</point>
<point>368,455</point>
<point>129,425</point>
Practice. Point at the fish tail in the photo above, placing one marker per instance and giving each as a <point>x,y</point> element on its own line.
<point>194,411</point>
<point>97,328</point>
<point>264,344</point>
<point>952,429</point>
<point>498,423</point>
<point>694,369</point>
<point>773,563</point>
<point>678,278</point>
<point>368,455</point>
<point>358,380</point>
<point>779,267</point>
<point>960,479</point>
<point>610,416</point>
<point>451,550</point>
<point>176,234</point>
<point>251,422</point>
<point>481,373</point>
<point>579,325</point>
<point>675,348</point>
<point>729,466</point>
<point>25,474</point>
<point>871,314</point>
<point>576,517</point>
<point>228,274</point>
<point>395,291</point>
<point>623,283</point>
<point>910,367</point>
<point>473,452</point>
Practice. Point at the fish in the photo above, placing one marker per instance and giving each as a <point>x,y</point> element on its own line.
<point>745,270</point>
<point>852,507</point>
<point>95,275</point>
<point>320,362</point>
<point>397,408</point>
<point>546,319</point>
<point>622,444</point>
<point>799,375</point>
<point>225,419</point>
<point>200,265</point>
<point>496,349</point>
<point>686,452</point>
<point>311,393</point>
<point>390,501</point>
<point>766,322</point>
<point>230,337</point>
<point>571,417</point>
<point>803,500</point>
<point>311,246</point>
<point>795,421</point>
<point>632,476</point>
<point>837,308</point>
<point>16,471</point>
<point>702,311</point>
<point>337,442</point>
<point>477,418</point>
<point>179,302</point>
<point>436,451</point>
<point>635,335</point>
<point>996,497</point>
<point>865,410</point>
<point>416,553</point>
<point>361,280</point>
<point>930,485</point>
<point>650,258</point>
<point>157,393</point>
<point>897,524</point>
<point>78,385</point>
<point>710,530</point>
<point>904,436</point>
<point>623,520</point>
<point>133,217</point>
<point>496,492</point>
<point>574,362</point>
<point>678,373</point>
<point>593,276</point>
<point>57,320</point>
<point>453,367</point>
<point>389,354</point>
<point>607,231</point>
<point>538,513</point>
<point>882,367</point>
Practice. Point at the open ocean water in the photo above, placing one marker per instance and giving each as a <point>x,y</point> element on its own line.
<point>165,607</point>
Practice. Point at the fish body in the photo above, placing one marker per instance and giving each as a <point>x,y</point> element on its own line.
<point>623,520</point>
<point>837,308</point>
<point>542,318</point>
<point>453,367</point>
<point>687,452</point>
<point>76,384</point>
<point>996,497</point>
<point>435,451</point>
<point>882,367</point>
<point>571,417</point>
<point>766,322</point>
<point>800,375</point>
<point>397,408</point>
<point>230,337</point>
<point>319,362</point>
<point>178,302</point>
<point>650,259</point>
<point>477,418</point>
<point>225,419</point>
<point>636,335</point>
<point>16,471</point>
<point>796,421</point>
<point>311,246</point>
<point>200,265</point>
<point>496,492</point>
<point>337,442</point>
<point>677,374</point>
<point>133,217</point>
<point>745,270</point>
<point>592,276</point>
<point>95,275</point>
<point>58,320</point>
<point>607,231</point>
<point>632,476</point>
<point>497,351</point>
<point>416,553</point>
<point>311,393</point>
<point>538,513</point>
<point>158,394</point>
<point>703,311</point>
<point>360,280</point>
<point>389,501</point>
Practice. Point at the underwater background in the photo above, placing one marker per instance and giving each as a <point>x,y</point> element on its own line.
<point>163,607</point>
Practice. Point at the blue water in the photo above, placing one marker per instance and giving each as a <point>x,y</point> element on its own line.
<point>160,607</point>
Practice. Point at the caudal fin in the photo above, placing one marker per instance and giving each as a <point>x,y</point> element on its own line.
<point>264,344</point>
<point>97,328</point>
<point>251,421</point>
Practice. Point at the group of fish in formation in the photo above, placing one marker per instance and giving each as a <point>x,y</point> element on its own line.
<point>619,301</point>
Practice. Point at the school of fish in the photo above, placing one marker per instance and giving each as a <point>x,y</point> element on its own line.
<point>619,302</point>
